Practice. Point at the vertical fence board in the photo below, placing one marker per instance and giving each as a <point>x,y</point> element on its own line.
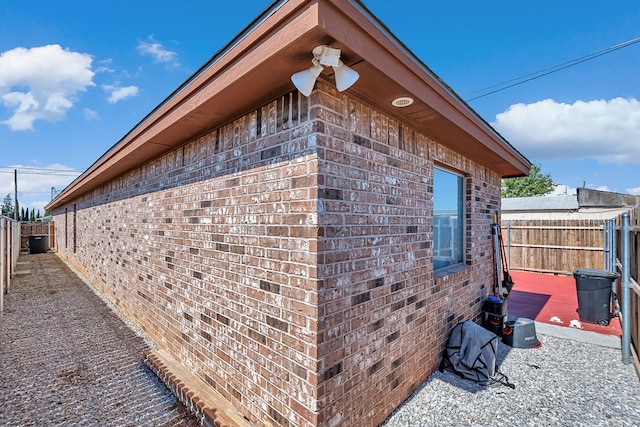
<point>3,261</point>
<point>634,295</point>
<point>554,246</point>
<point>561,246</point>
<point>9,252</point>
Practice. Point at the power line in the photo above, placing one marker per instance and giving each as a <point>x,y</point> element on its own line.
<point>61,173</point>
<point>549,70</point>
<point>33,192</point>
<point>40,171</point>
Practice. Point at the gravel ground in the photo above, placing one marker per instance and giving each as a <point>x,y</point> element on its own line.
<point>67,360</point>
<point>565,382</point>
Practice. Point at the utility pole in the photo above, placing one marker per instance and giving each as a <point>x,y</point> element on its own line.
<point>15,181</point>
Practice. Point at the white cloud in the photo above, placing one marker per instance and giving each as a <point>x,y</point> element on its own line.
<point>41,83</point>
<point>34,179</point>
<point>117,93</point>
<point>608,131</point>
<point>104,66</point>
<point>158,52</point>
<point>90,114</point>
<point>635,191</point>
<point>35,183</point>
<point>25,108</point>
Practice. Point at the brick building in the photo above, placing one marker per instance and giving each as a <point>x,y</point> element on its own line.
<point>302,259</point>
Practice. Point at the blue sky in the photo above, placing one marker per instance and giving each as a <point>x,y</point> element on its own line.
<point>75,80</point>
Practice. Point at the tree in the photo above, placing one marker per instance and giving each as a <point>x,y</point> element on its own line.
<point>536,184</point>
<point>7,206</point>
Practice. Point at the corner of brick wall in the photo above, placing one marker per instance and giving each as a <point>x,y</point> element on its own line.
<point>384,318</point>
<point>287,257</point>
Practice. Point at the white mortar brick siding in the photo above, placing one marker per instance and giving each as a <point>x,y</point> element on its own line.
<point>286,258</point>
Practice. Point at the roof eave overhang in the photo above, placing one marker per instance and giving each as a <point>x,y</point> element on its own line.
<point>256,68</point>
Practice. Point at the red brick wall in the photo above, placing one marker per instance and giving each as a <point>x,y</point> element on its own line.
<point>286,258</point>
<point>383,318</point>
<point>211,251</point>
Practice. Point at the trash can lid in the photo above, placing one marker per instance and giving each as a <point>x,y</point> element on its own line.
<point>594,272</point>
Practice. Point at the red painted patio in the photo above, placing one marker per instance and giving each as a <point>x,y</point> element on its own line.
<point>551,299</point>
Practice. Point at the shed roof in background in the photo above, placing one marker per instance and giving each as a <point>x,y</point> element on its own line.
<point>585,203</point>
<point>256,66</point>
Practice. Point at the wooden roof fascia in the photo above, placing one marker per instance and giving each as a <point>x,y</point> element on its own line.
<point>215,74</point>
<point>386,52</point>
<point>193,107</point>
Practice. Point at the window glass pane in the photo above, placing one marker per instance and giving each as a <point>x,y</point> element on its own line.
<point>448,219</point>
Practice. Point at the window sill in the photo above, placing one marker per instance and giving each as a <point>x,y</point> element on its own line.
<point>444,272</point>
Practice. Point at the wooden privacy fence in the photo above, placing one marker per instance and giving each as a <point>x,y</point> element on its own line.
<point>561,246</point>
<point>554,246</point>
<point>9,251</point>
<point>634,272</point>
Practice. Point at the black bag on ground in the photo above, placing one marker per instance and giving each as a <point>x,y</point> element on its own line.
<point>471,353</point>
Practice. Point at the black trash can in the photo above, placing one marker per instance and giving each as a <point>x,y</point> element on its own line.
<point>38,243</point>
<point>594,294</point>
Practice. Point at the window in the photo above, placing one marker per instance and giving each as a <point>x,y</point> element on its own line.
<point>75,229</point>
<point>66,227</point>
<point>448,218</point>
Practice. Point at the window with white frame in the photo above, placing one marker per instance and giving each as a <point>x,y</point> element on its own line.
<point>448,218</point>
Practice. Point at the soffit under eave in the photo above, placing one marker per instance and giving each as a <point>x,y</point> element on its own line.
<point>260,68</point>
<point>389,70</point>
<point>249,74</point>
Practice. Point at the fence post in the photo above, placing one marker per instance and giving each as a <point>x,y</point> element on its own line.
<point>508,243</point>
<point>17,245</point>
<point>9,256</point>
<point>626,290</point>
<point>610,245</point>
<point>607,246</point>
<point>3,261</point>
<point>614,245</point>
<point>10,250</point>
